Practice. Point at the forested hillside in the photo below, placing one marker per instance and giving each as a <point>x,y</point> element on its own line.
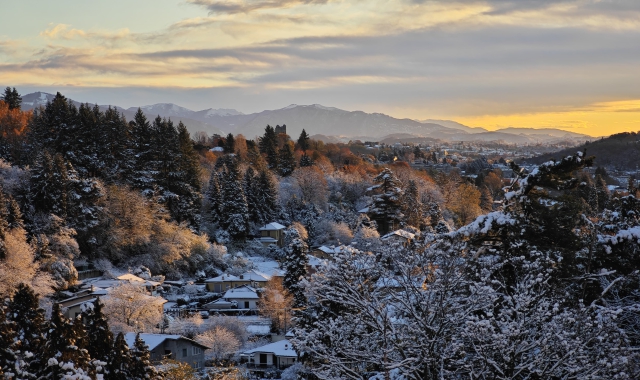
<point>620,151</point>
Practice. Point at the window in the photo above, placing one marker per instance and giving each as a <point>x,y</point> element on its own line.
<point>196,350</point>
<point>184,353</point>
<point>246,304</point>
<point>196,364</point>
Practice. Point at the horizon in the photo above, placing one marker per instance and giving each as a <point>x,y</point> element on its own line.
<point>494,64</point>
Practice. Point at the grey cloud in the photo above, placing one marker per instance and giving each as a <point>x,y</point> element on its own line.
<point>246,6</point>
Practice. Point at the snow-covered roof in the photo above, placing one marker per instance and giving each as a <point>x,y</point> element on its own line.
<point>219,301</point>
<point>280,348</point>
<point>400,233</point>
<point>243,292</point>
<point>217,149</point>
<point>133,278</point>
<point>272,227</point>
<point>254,275</point>
<point>223,278</point>
<point>154,340</point>
<point>316,262</point>
<point>267,239</point>
<point>364,210</point>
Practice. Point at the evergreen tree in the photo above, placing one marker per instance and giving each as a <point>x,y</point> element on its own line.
<point>305,161</point>
<point>143,167</point>
<point>120,361</point>
<point>602,192</point>
<point>65,354</point>
<point>12,98</point>
<point>85,157</point>
<point>141,367</point>
<point>252,193</point>
<point>185,206</point>
<point>48,185</point>
<point>295,266</point>
<point>7,339</point>
<point>386,208</point>
<point>303,141</point>
<point>230,144</point>
<point>214,196</point>
<point>412,206</point>
<point>266,193</point>
<point>254,157</point>
<point>28,318</point>
<point>234,203</point>
<point>286,161</point>
<point>4,224</point>
<point>100,338</point>
<point>486,200</point>
<point>269,147</point>
<point>114,150</point>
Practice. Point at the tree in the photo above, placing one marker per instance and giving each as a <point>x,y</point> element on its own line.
<point>49,185</point>
<point>266,192</point>
<point>128,307</point>
<point>141,367</point>
<point>120,360</point>
<point>252,193</point>
<point>230,144</point>
<point>100,337</point>
<point>412,206</point>
<point>466,203</point>
<point>269,147</point>
<point>12,98</point>
<point>7,339</point>
<point>222,342</point>
<point>234,203</point>
<point>29,321</point>
<point>303,141</point>
<point>214,196</point>
<point>305,161</point>
<point>295,267</point>
<point>386,209</point>
<point>142,176</point>
<point>276,304</point>
<point>286,161</point>
<point>175,370</point>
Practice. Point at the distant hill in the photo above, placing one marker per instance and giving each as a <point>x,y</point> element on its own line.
<point>620,151</point>
<point>332,123</point>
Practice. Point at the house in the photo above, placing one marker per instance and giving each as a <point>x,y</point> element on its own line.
<point>176,347</point>
<point>272,233</point>
<point>399,236</point>
<point>253,278</point>
<point>278,355</point>
<point>244,296</point>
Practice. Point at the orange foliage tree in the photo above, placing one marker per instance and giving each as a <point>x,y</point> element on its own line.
<point>13,128</point>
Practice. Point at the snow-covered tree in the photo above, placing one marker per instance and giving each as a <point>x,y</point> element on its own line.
<point>140,365</point>
<point>120,360</point>
<point>295,266</point>
<point>223,343</point>
<point>128,307</point>
<point>386,209</point>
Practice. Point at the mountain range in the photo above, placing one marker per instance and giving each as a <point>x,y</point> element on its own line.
<point>331,124</point>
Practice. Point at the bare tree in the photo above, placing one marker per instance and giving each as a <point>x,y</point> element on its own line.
<point>129,307</point>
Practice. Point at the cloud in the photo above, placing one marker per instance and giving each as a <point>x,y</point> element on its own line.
<point>247,6</point>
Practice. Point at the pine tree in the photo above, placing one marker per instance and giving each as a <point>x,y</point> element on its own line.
<point>48,185</point>
<point>255,157</point>
<point>602,192</point>
<point>28,318</point>
<point>7,336</point>
<point>230,144</point>
<point>295,266</point>
<point>12,98</point>
<point>412,206</point>
<point>386,208</point>
<point>141,367</point>
<point>303,141</point>
<point>143,167</point>
<point>486,200</point>
<point>266,193</point>
<point>100,338</point>
<point>4,224</point>
<point>186,182</point>
<point>269,147</point>
<point>65,354</point>
<point>114,150</point>
<point>120,361</point>
<point>214,196</point>
<point>234,203</point>
<point>252,193</point>
<point>286,161</point>
<point>305,161</point>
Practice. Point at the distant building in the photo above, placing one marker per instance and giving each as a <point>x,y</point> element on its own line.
<point>281,129</point>
<point>176,347</point>
<point>278,355</point>
<point>272,233</point>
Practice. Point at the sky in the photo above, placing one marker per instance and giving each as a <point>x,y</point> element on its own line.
<point>568,64</point>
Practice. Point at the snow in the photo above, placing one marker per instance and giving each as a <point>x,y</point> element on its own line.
<point>217,149</point>
<point>223,278</point>
<point>151,340</point>
<point>280,348</point>
<point>258,329</point>
<point>241,292</point>
<point>222,112</point>
<point>483,223</point>
<point>630,234</point>
<point>400,233</point>
<point>273,227</point>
